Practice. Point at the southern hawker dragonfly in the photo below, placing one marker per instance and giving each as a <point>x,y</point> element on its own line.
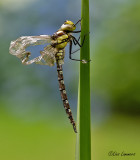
<point>52,53</point>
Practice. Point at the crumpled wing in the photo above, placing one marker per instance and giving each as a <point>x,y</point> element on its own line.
<point>48,55</point>
<point>18,47</point>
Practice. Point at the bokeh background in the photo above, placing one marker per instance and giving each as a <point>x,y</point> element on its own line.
<point>33,123</point>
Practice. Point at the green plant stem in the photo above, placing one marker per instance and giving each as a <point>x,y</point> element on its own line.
<point>83,148</point>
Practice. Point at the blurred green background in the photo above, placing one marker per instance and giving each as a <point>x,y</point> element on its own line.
<point>33,123</point>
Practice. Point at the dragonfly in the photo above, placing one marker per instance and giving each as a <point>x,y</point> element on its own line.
<point>53,53</point>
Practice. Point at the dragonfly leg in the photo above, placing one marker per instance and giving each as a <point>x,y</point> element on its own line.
<point>76,31</point>
<point>76,41</point>
<point>70,53</point>
<point>75,51</point>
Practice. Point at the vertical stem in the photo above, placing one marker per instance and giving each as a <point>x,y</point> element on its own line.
<point>83,147</point>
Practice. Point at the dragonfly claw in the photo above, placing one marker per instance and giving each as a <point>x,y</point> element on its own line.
<point>85,61</point>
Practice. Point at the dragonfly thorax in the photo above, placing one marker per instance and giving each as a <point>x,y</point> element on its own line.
<point>60,39</point>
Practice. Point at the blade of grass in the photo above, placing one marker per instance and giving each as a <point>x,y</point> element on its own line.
<point>83,146</point>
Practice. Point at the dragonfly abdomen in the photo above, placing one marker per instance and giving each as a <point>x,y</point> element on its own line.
<point>63,93</point>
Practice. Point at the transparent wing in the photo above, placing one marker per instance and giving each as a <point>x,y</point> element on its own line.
<point>18,48</point>
<point>48,55</point>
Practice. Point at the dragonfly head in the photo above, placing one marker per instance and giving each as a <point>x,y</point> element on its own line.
<point>68,26</point>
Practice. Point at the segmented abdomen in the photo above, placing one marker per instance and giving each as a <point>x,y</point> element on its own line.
<point>62,89</point>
